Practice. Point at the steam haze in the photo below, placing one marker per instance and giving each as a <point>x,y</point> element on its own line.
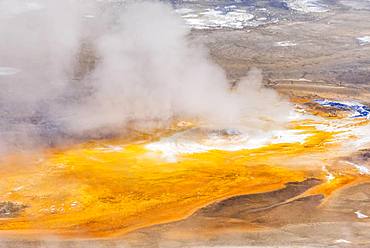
<point>144,70</point>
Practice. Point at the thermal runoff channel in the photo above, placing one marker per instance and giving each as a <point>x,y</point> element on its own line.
<point>112,119</point>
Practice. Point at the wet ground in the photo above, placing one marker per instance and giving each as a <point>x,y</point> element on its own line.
<point>306,53</point>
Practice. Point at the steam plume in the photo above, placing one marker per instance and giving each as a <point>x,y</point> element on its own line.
<point>74,68</point>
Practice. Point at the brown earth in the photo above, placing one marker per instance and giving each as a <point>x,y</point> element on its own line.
<point>327,62</point>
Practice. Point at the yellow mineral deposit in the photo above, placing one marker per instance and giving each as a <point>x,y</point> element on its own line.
<point>110,187</point>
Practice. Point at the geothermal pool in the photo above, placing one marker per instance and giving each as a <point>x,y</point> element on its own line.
<point>112,187</point>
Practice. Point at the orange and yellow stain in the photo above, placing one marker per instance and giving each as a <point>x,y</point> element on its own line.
<point>109,188</point>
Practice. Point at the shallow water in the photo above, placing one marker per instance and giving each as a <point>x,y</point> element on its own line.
<point>110,187</point>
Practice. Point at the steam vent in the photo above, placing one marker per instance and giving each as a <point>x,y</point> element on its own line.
<point>184,124</point>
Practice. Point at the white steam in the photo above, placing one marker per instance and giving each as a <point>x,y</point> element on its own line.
<point>73,68</point>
